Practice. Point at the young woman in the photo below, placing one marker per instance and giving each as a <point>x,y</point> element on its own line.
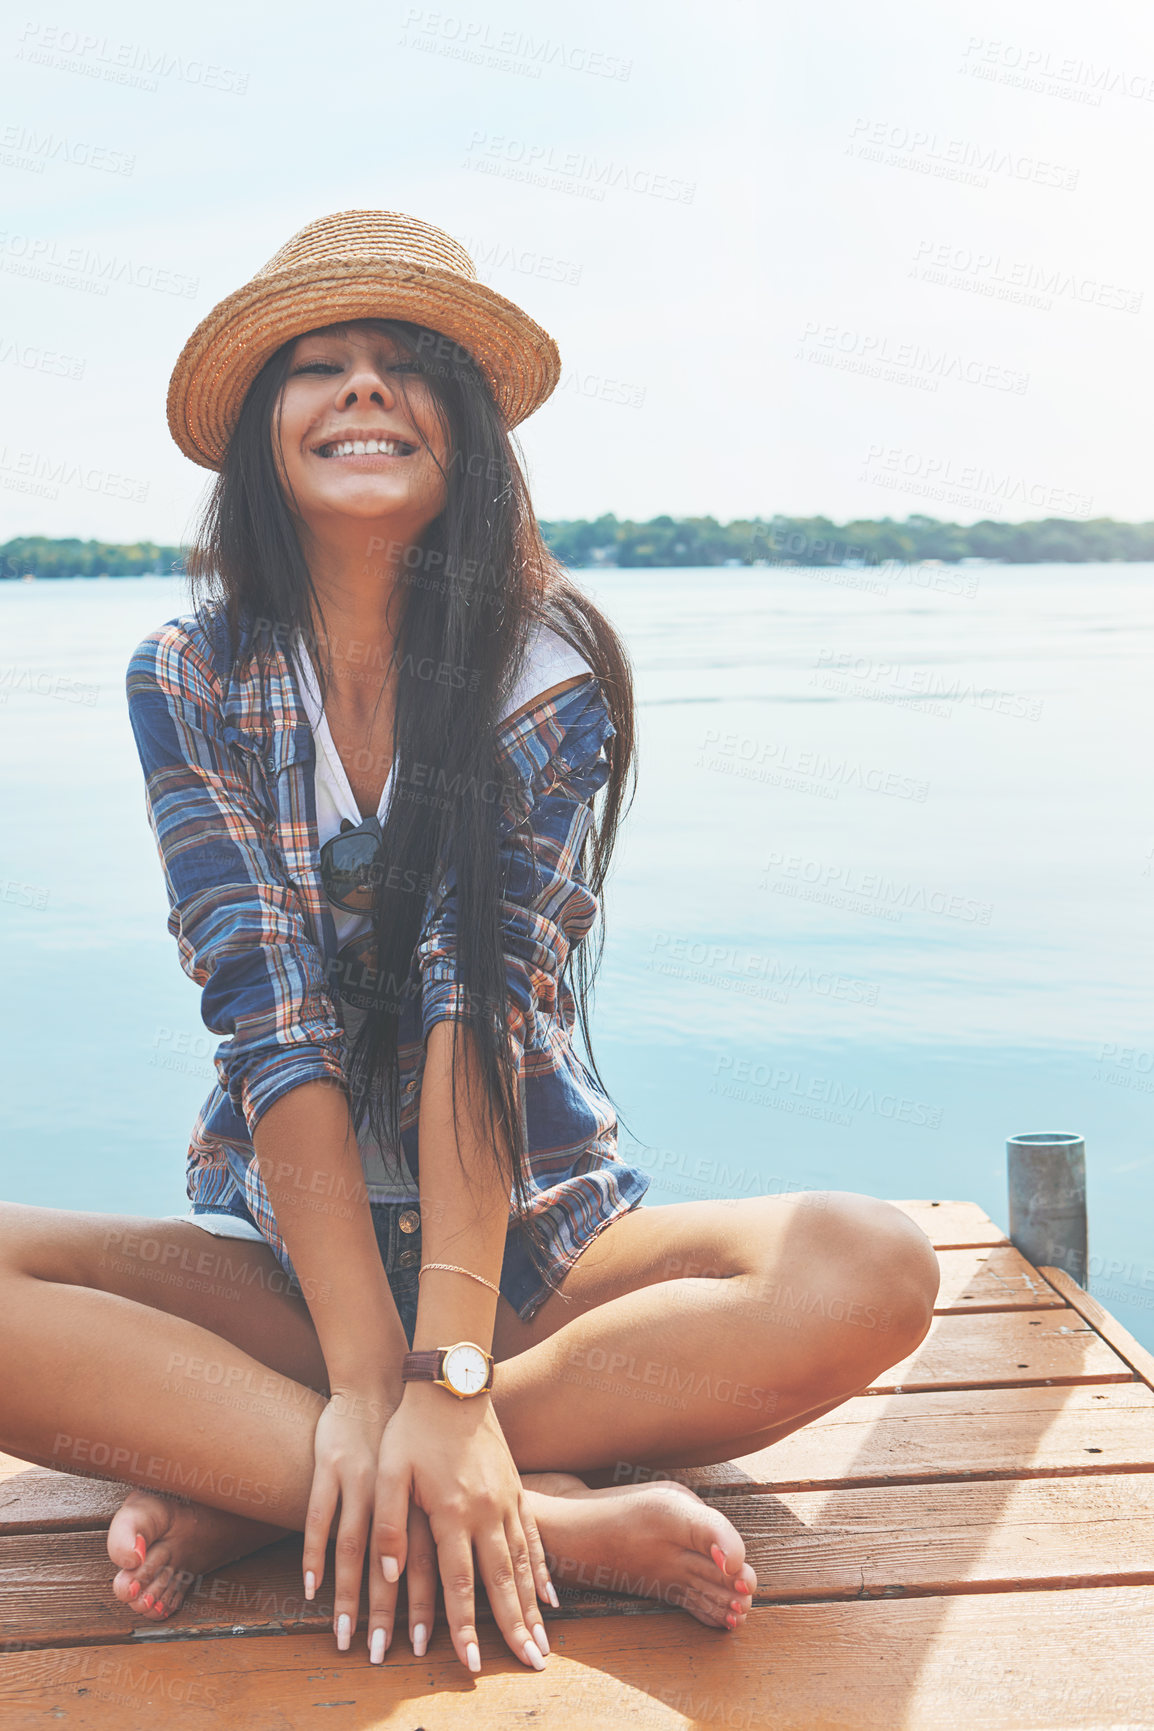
<point>372,757</point>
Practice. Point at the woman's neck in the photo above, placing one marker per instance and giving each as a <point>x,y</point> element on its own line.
<point>360,607</point>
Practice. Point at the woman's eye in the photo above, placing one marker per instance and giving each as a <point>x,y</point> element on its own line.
<point>332,367</point>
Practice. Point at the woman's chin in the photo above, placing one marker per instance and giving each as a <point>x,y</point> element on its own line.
<point>369,502</point>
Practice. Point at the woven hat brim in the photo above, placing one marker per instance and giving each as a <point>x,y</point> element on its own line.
<point>231,344</point>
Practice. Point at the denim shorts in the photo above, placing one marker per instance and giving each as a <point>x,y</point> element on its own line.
<point>398,1229</point>
<point>397,1226</point>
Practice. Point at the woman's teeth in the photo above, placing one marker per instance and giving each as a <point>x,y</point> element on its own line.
<point>367,448</point>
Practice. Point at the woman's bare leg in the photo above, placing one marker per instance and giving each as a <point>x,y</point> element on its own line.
<point>690,1332</point>
<point>695,1290</point>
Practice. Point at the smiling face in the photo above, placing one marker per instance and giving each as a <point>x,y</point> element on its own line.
<point>360,433</point>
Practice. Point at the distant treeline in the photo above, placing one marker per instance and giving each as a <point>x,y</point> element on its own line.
<point>40,556</point>
<point>665,541</point>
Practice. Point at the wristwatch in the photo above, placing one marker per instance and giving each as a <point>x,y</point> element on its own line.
<point>463,1369</point>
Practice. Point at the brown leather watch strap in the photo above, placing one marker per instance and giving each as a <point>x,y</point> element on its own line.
<point>422,1366</point>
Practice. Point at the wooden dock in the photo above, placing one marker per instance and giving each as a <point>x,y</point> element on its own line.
<point>969,1545</point>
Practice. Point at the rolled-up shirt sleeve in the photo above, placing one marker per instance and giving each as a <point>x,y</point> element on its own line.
<point>238,919</point>
<point>555,762</point>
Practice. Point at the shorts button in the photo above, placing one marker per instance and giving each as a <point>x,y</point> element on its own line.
<point>410,1220</point>
<point>408,1258</point>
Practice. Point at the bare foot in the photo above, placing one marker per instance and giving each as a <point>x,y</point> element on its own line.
<point>181,1541</point>
<point>656,1541</point>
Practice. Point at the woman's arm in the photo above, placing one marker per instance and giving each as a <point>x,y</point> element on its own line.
<point>237,917</point>
<point>244,938</point>
<point>447,1456</point>
<point>464,1200</point>
<point>311,1167</point>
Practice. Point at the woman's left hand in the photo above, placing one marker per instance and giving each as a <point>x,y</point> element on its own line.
<point>448,1490</point>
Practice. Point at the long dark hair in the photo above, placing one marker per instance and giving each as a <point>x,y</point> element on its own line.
<point>478,582</point>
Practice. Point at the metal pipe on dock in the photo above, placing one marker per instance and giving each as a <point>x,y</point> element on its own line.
<point>1046,1173</point>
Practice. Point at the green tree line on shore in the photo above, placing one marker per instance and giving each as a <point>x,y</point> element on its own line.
<point>609,541</point>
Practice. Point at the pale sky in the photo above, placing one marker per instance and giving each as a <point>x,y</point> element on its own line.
<point>854,260</point>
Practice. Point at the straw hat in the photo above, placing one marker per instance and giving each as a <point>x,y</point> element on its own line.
<point>357,264</point>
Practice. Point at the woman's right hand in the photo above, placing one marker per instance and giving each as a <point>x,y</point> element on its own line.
<point>346,1447</point>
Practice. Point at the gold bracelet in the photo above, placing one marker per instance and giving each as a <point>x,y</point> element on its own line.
<point>451,1268</point>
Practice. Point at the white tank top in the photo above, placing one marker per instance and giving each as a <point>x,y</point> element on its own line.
<point>549,660</point>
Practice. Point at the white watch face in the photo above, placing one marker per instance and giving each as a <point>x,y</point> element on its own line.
<point>466,1369</point>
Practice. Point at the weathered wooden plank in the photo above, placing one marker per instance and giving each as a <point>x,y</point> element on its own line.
<point>1135,1354</point>
<point>969,1433</point>
<point>987,1535</point>
<point>990,1277</point>
<point>1004,1662</point>
<point>958,1537</point>
<point>1006,1350</point>
<point>35,1499</point>
<point>954,1225</point>
<point>56,1591</point>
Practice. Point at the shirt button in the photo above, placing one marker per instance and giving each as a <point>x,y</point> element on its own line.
<point>408,1258</point>
<point>410,1220</point>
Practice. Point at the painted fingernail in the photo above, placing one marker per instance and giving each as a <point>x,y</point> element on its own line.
<point>473,1657</point>
<point>134,1590</point>
<point>718,1556</point>
<point>551,1595</point>
<point>534,1655</point>
<point>310,1585</point>
<point>377,1647</point>
<point>420,1640</point>
<point>140,1547</point>
<point>344,1632</point>
<point>541,1637</point>
<point>390,1570</point>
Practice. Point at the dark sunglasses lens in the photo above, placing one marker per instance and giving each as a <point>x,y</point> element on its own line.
<point>350,870</point>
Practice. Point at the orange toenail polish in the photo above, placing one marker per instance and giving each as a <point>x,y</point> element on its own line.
<point>731,1622</point>
<point>134,1589</point>
<point>743,1587</point>
<point>147,1600</point>
<point>140,1547</point>
<point>718,1556</point>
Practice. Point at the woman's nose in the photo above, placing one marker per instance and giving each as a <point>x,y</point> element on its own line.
<point>369,386</point>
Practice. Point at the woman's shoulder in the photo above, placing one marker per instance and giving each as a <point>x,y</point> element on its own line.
<point>557,737</point>
<point>190,656</point>
<point>549,661</point>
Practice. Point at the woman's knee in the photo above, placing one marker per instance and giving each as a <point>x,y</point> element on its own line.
<point>867,1263</point>
<point>890,1257</point>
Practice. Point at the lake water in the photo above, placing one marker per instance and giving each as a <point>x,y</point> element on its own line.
<point>884,897</point>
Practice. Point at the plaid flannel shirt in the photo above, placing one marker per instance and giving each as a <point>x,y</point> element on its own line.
<point>228,758</point>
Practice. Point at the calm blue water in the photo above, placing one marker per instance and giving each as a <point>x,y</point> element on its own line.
<point>883,899</point>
